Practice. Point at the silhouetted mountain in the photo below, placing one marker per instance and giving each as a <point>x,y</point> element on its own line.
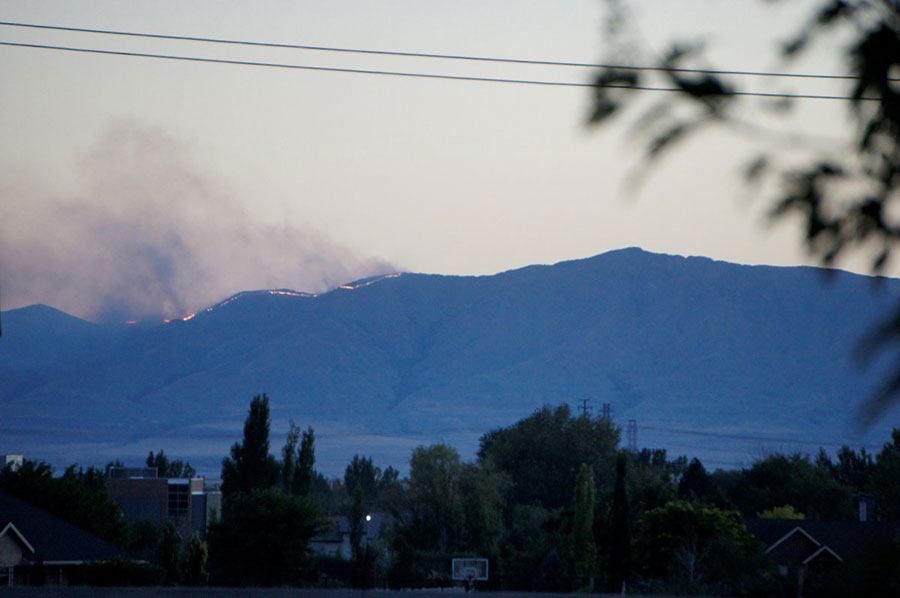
<point>712,359</point>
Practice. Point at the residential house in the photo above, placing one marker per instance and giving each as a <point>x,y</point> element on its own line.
<point>809,548</point>
<point>336,540</point>
<point>39,548</point>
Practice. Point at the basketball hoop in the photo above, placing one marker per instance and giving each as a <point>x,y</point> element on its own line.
<point>469,571</point>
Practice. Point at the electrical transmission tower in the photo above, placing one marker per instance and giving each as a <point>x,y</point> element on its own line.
<point>585,408</point>
<point>632,434</point>
<point>607,411</point>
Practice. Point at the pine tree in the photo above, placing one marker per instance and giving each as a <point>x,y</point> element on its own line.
<point>620,554</point>
<point>584,548</point>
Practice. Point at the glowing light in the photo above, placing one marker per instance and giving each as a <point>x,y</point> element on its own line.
<point>353,287</point>
<point>167,320</point>
<point>288,293</point>
<point>129,322</point>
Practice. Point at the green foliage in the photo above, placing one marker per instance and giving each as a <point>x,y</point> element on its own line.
<point>851,469</point>
<point>79,496</point>
<point>306,462</point>
<point>650,482</point>
<point>250,465</point>
<point>170,469</point>
<point>357,519</point>
<point>434,492</point>
<point>483,490</point>
<point>168,554</point>
<point>584,549</point>
<point>542,453</point>
<point>885,479</point>
<point>696,483</point>
<point>196,573</point>
<point>696,547</point>
<point>298,464</point>
<point>534,534</point>
<point>782,512</point>
<point>362,472</point>
<point>289,459</point>
<point>389,488</point>
<point>791,480</point>
<point>445,508</point>
<point>262,538</point>
<point>263,535</point>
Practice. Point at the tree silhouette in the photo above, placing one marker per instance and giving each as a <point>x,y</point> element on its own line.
<point>250,465</point>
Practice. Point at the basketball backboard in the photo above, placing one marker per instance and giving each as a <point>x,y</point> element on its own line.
<point>470,569</point>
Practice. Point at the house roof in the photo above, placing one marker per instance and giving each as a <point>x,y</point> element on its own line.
<point>824,551</point>
<point>841,537</point>
<point>796,530</point>
<point>8,529</point>
<point>53,539</point>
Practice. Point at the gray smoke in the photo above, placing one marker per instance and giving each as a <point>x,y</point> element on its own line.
<point>148,235</point>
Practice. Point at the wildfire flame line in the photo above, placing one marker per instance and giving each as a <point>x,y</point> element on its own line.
<point>353,287</point>
<point>347,287</point>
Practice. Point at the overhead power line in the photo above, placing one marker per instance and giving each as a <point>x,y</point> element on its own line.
<point>623,67</point>
<point>414,74</point>
<point>749,437</point>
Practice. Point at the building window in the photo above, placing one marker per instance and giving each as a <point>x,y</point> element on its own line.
<point>179,500</point>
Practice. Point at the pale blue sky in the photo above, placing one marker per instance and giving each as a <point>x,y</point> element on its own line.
<point>308,179</point>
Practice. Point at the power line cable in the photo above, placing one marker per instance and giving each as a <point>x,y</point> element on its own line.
<point>418,74</point>
<point>754,438</point>
<point>623,67</point>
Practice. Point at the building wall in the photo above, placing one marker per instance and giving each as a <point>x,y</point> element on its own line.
<point>11,551</point>
<point>142,499</point>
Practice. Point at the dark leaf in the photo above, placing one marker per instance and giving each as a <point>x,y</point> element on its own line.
<point>830,169</point>
<point>665,139</point>
<point>794,46</point>
<point>756,169</point>
<point>603,109</point>
<point>831,12</point>
<point>881,260</point>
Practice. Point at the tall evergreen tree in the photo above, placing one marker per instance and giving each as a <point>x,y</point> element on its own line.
<point>620,553</point>
<point>361,471</point>
<point>250,465</point>
<point>696,483</point>
<point>289,459</point>
<point>305,473</point>
<point>357,517</point>
<point>584,549</point>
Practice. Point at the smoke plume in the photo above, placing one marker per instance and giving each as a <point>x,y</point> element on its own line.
<point>147,235</point>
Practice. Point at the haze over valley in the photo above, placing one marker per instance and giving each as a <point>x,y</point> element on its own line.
<point>714,360</point>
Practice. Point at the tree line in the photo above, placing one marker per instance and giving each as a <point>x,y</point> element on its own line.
<point>552,501</point>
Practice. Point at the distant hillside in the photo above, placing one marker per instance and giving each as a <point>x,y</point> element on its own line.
<point>712,359</point>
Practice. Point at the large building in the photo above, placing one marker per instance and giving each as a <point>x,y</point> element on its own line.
<point>143,496</point>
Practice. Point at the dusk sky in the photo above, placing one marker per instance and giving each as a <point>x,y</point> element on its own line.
<point>132,187</point>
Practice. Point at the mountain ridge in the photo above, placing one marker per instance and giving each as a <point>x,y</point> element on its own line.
<point>406,358</point>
